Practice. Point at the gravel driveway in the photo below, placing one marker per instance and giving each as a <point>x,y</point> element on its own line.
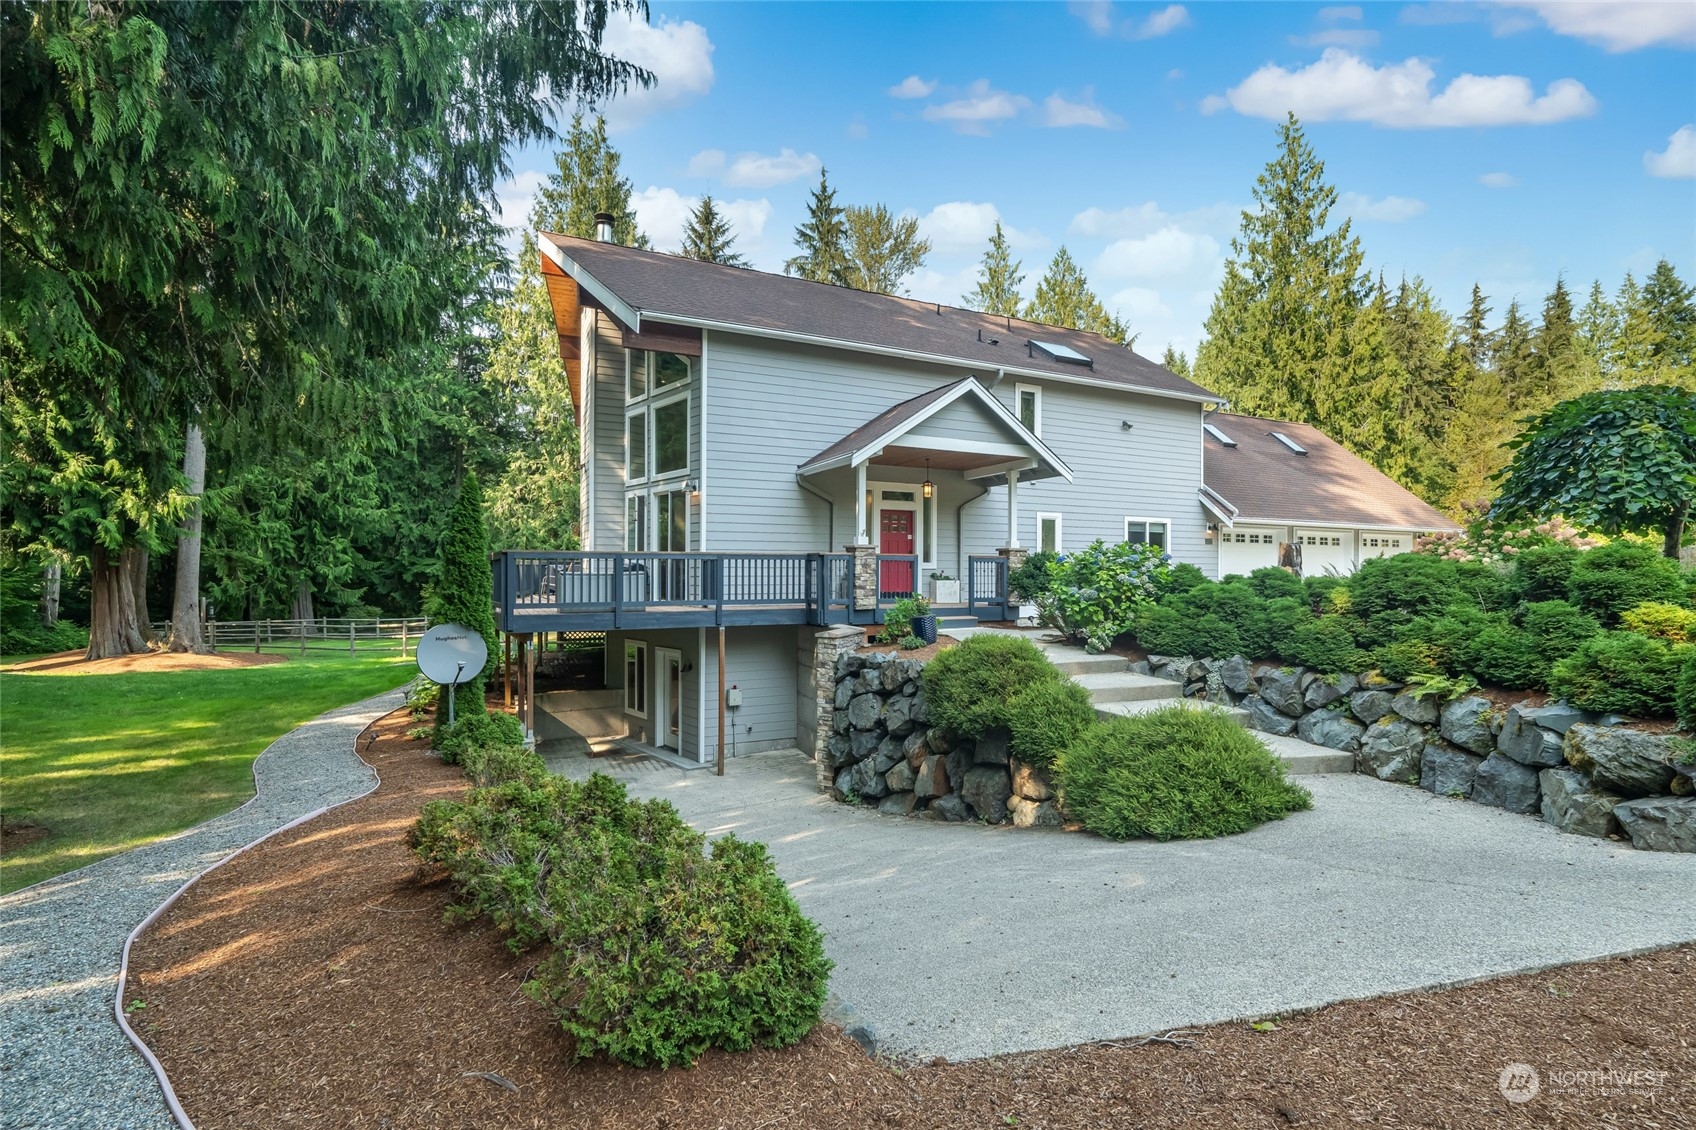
<point>64,1062</point>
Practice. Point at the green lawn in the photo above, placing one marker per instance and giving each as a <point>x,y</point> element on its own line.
<point>108,762</point>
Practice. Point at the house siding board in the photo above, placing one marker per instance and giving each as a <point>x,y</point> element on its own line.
<point>963,419</point>
<point>760,662</point>
<point>608,447</point>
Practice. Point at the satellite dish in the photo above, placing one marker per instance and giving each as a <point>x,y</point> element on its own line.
<point>451,654</point>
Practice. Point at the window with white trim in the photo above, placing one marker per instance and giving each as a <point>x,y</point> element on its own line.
<point>656,424</point>
<point>1048,533</point>
<point>636,446</point>
<point>1028,398</point>
<point>635,523</point>
<point>1149,531</point>
<point>671,521</point>
<point>636,678</point>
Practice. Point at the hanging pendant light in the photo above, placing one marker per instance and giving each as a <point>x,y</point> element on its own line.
<point>930,487</point>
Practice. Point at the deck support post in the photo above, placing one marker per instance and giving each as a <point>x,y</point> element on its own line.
<point>721,707</point>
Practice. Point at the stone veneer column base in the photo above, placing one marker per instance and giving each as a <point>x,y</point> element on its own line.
<point>827,646</point>
<point>865,576</point>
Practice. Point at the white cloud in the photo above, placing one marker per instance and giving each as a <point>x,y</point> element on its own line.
<point>1617,25</point>
<point>707,163</point>
<point>1388,210</point>
<point>1338,37</point>
<point>1140,306</point>
<point>1344,87</point>
<point>663,215</point>
<point>982,106</point>
<point>1144,219</point>
<point>1097,15</point>
<point>929,284</point>
<point>758,170</point>
<point>679,54</point>
<point>1163,22</point>
<point>514,198</point>
<point>1341,12</point>
<point>1170,252</point>
<point>1057,111</point>
<point>912,87</point>
<point>1678,159</point>
<point>1499,180</point>
<point>965,226</point>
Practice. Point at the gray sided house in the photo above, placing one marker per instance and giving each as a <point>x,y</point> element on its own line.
<point>775,456</point>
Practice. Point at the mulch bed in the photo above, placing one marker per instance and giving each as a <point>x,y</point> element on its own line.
<point>312,982</point>
<point>922,654</point>
<point>73,663</point>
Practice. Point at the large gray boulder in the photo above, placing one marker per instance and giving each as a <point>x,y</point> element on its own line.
<point>914,747</point>
<point>992,748</point>
<point>1392,750</point>
<point>837,750</point>
<point>867,780</point>
<point>898,715</point>
<point>1238,676</point>
<point>1558,716</point>
<point>1659,823</point>
<point>1415,709</point>
<point>887,755</point>
<point>1572,803</point>
<point>1629,762</point>
<point>1326,690</point>
<point>1466,723</point>
<point>987,790</point>
<point>1504,783</point>
<point>921,708</point>
<point>931,779</point>
<point>897,804</point>
<point>1283,689</point>
<point>1332,729</point>
<point>864,710</point>
<point>862,744</point>
<point>1528,743</point>
<point>1448,771</point>
<point>1035,813</point>
<point>950,808</point>
<point>1369,706</point>
<point>901,778</point>
<point>1264,717</point>
<point>844,692</point>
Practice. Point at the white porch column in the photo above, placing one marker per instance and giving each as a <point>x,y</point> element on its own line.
<point>1012,510</point>
<point>860,537</point>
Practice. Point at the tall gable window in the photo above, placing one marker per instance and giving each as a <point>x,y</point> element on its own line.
<point>1029,398</point>
<point>657,456</point>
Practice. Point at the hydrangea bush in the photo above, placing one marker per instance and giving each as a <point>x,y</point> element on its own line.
<point>1095,594</point>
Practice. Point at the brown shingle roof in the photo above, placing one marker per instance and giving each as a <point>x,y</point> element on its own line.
<point>670,287</point>
<point>1265,480</point>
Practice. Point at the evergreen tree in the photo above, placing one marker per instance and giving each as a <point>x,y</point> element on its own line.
<point>1175,361</point>
<point>1510,356</point>
<point>1063,298</point>
<point>1475,334</point>
<point>999,278</point>
<point>1598,333</point>
<point>1420,336</point>
<point>464,593</point>
<point>1555,367</point>
<point>1639,337</point>
<point>709,237</point>
<point>586,179</point>
<point>822,240</point>
<point>882,248</point>
<point>1672,310</point>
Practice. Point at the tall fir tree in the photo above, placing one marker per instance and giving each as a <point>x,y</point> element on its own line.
<point>1556,364</point>
<point>1472,445</point>
<point>587,179</point>
<point>464,592</point>
<point>1639,337</point>
<point>709,237</point>
<point>1510,356</point>
<point>999,279</point>
<point>1596,338</point>
<point>1475,336</point>
<point>1176,361</point>
<point>822,241</point>
<point>1063,298</point>
<point>1672,311</point>
<point>1420,336</point>
<point>882,248</point>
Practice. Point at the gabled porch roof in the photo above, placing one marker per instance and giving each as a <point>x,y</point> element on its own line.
<point>994,441</point>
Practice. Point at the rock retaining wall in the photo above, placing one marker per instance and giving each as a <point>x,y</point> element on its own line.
<point>882,750</point>
<point>1583,773</point>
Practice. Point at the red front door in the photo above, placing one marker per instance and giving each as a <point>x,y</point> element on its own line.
<point>895,535</point>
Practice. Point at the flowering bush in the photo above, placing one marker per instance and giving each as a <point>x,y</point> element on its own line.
<point>1096,592</point>
<point>1493,543</point>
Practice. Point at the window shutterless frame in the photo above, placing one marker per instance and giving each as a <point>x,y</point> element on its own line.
<point>1149,531</point>
<point>1027,406</point>
<point>636,678</point>
<point>1048,532</point>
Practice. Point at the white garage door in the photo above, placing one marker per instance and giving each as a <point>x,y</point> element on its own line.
<point>1384,545</point>
<point>1246,548</point>
<point>1326,551</point>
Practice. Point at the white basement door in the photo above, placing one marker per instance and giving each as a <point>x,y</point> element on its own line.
<point>1326,551</point>
<point>1247,548</point>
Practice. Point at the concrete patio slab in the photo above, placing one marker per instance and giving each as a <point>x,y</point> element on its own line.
<point>968,940</point>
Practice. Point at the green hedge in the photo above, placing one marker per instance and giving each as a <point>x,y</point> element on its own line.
<point>971,689</point>
<point>1047,718</point>
<point>1684,697</point>
<point>1617,577</point>
<point>1173,773</point>
<point>471,731</point>
<point>1543,573</point>
<point>1621,672</point>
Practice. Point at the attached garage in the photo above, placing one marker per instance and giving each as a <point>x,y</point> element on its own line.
<point>1326,551</point>
<point>1243,549</point>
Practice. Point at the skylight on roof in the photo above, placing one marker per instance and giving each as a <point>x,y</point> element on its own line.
<point>1060,352</point>
<point>1289,443</point>
<point>1219,435</point>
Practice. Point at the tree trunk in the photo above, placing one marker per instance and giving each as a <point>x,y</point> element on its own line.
<point>1675,531</point>
<point>133,562</point>
<point>301,609</point>
<point>51,574</point>
<point>185,600</point>
<point>111,619</point>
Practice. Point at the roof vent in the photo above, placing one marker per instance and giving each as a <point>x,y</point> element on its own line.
<point>1289,443</point>
<point>1219,435</point>
<point>603,227</point>
<point>1056,352</point>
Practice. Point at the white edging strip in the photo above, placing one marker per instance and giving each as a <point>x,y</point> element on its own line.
<point>171,1100</point>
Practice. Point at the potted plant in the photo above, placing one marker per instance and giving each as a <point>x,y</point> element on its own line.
<point>913,611</point>
<point>944,589</point>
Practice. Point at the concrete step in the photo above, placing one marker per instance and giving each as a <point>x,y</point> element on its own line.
<point>1109,710</point>
<point>1076,661</point>
<point>1125,686</point>
<point>950,623</point>
<point>1303,758</point>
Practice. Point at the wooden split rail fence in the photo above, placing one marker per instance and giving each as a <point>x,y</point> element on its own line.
<point>325,633</point>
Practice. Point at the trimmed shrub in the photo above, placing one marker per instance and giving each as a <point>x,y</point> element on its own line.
<point>1097,592</point>
<point>1185,577</point>
<point>1047,719</point>
<point>1617,577</point>
<point>465,593</point>
<point>472,731</point>
<point>1620,672</point>
<point>488,766</point>
<point>1383,628</point>
<point>1173,773</point>
<point>1448,635</point>
<point>1325,645</point>
<point>1486,585</point>
<point>1408,582</point>
<point>1285,616</point>
<point>1543,573</point>
<point>1033,577</point>
<point>1271,582</point>
<point>1162,630</point>
<point>971,688</point>
<point>1402,660</point>
<point>1503,655</point>
<point>1671,622</point>
<point>1322,594</point>
<point>1684,696</point>
<point>1558,626</point>
<point>657,951</point>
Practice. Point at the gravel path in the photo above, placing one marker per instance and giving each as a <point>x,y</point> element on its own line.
<point>64,1062</point>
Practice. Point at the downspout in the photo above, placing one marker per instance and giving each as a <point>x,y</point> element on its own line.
<point>960,533</point>
<point>830,531</point>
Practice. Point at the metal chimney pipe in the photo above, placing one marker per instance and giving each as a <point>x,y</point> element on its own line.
<point>603,226</point>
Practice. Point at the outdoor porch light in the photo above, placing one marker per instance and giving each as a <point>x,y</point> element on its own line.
<point>930,487</point>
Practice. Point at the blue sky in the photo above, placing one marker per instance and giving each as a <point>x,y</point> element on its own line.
<point>1503,143</point>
